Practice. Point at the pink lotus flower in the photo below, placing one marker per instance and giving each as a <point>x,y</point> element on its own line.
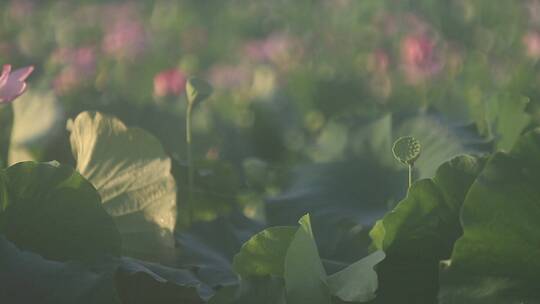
<point>169,82</point>
<point>266,50</point>
<point>531,40</point>
<point>125,39</point>
<point>275,48</point>
<point>419,58</point>
<point>12,84</point>
<point>79,66</point>
<point>230,76</point>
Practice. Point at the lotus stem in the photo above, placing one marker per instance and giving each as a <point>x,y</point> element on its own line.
<point>410,175</point>
<point>189,164</point>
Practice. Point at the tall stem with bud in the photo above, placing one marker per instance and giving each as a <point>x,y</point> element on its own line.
<point>191,169</point>
<point>197,90</point>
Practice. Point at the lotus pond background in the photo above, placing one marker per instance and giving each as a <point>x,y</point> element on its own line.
<point>308,97</point>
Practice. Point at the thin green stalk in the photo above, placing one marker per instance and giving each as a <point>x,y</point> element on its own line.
<point>424,96</point>
<point>6,125</point>
<point>410,175</point>
<point>189,164</point>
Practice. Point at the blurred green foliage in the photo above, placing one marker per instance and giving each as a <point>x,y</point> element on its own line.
<point>294,82</point>
<point>308,96</point>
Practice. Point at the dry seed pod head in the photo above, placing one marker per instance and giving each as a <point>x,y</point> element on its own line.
<point>407,150</point>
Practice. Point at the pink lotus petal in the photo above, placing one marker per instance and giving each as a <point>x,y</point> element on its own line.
<point>22,73</point>
<point>14,84</point>
<point>5,74</point>
<point>11,90</point>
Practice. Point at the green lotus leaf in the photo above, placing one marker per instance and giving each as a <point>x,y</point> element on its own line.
<point>52,210</point>
<point>144,282</point>
<point>500,215</point>
<point>263,290</point>
<point>213,253</point>
<point>29,278</point>
<point>464,287</point>
<point>421,231</point>
<point>264,254</point>
<point>131,172</point>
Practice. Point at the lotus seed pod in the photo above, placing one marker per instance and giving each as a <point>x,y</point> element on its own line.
<point>406,149</point>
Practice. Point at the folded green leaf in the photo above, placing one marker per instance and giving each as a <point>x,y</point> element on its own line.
<point>197,90</point>
<point>358,282</point>
<point>264,254</point>
<point>305,277</point>
<point>291,254</point>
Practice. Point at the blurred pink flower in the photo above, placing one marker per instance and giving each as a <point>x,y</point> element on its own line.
<point>169,82</point>
<point>229,76</point>
<point>531,40</point>
<point>66,81</point>
<point>83,59</point>
<point>125,35</point>
<point>255,50</point>
<point>275,48</point>
<point>419,58</point>
<point>125,39</point>
<point>12,84</point>
<point>79,65</point>
<point>21,9</point>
